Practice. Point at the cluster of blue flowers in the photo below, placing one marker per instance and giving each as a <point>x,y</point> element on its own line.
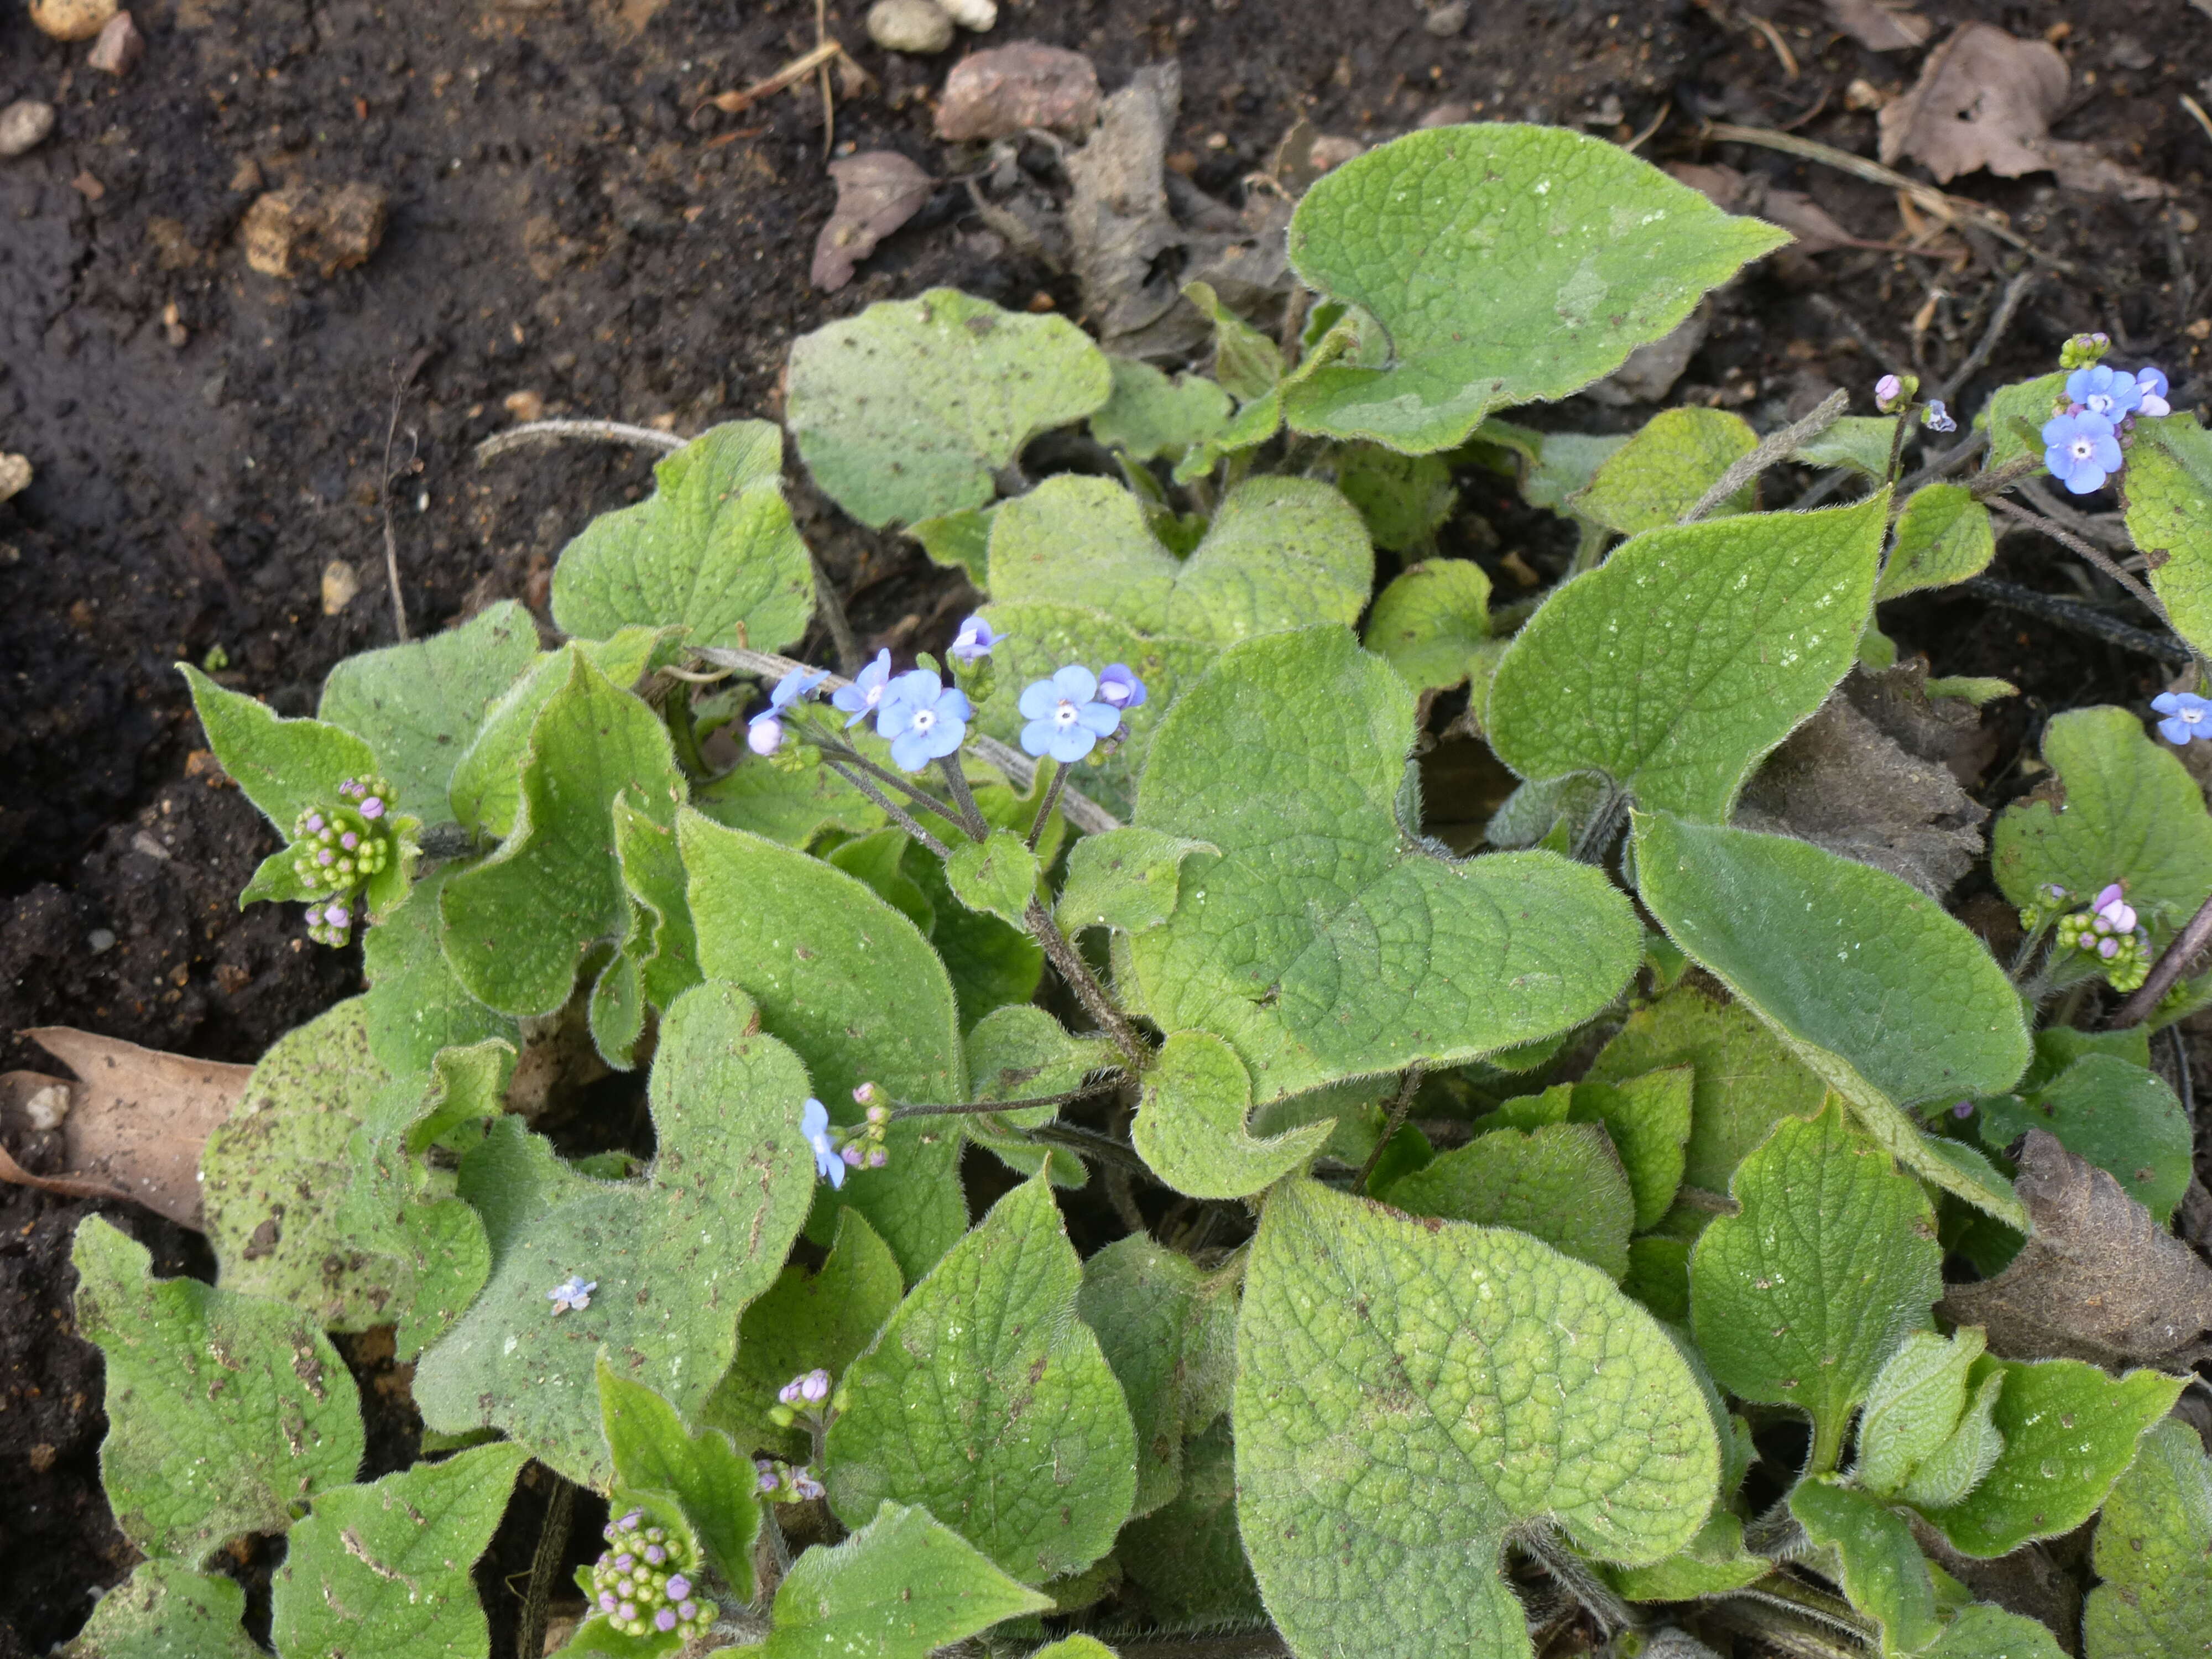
<point>923,719</point>
<point>336,848</point>
<point>641,1584</point>
<point>2087,431</point>
<point>860,1147</point>
<point>1068,714</point>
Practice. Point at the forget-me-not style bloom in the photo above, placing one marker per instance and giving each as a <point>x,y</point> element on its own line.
<point>2080,450</point>
<point>1119,688</point>
<point>973,641</point>
<point>764,731</point>
<point>861,697</point>
<point>814,1124</point>
<point>1064,720</point>
<point>2151,390</point>
<point>1936,418</point>
<point>2111,393</point>
<point>572,1294</point>
<point>924,718</point>
<point>2187,715</point>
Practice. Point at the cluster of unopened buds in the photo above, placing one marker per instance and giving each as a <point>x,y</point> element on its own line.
<point>336,848</point>
<point>640,1582</point>
<point>805,1399</point>
<point>1894,395</point>
<point>2092,423</point>
<point>786,1483</point>
<point>838,1148</point>
<point>2107,930</point>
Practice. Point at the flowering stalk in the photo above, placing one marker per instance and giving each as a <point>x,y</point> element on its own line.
<point>1084,984</point>
<point>2177,957</point>
<point>1051,803</point>
<point>907,1109</point>
<point>956,785</point>
<point>896,813</point>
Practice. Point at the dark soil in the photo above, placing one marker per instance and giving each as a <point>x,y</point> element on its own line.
<point>570,225</point>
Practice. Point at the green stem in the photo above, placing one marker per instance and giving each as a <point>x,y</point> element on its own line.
<point>1084,984</point>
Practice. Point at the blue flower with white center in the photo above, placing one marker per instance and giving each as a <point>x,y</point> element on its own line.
<point>1065,722</point>
<point>2111,393</point>
<point>974,641</point>
<point>572,1294</point>
<point>2151,391</point>
<point>764,731</point>
<point>1119,688</point>
<point>2187,715</point>
<point>814,1124</point>
<point>2080,450</point>
<point>861,698</point>
<point>1936,418</point>
<point>925,718</point>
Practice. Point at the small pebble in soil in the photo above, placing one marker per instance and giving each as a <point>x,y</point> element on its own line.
<point>48,1107</point>
<point>341,581</point>
<point>99,941</point>
<point>14,474</point>
<point>1447,20</point>
<point>72,20</point>
<point>331,230</point>
<point>976,14</point>
<point>119,46</point>
<point>914,26</point>
<point>1009,89</point>
<point>24,125</point>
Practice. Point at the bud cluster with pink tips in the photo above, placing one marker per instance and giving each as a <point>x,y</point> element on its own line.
<point>336,848</point>
<point>2108,930</point>
<point>641,1582</point>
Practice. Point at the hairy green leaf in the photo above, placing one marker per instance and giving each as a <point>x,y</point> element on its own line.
<point>2167,489</point>
<point>1137,1297</point>
<point>1942,536</point>
<point>906,410</point>
<point>1860,442</point>
<point>1409,1391</point>
<point>282,766</point>
<point>1507,264</point>
<point>1430,622</point>
<point>1150,414</point>
<point>1325,942</point>
<point>1676,666</point>
<point>900,1588</point>
<point>251,1389</point>
<point>855,989</point>
<point>1404,498</point>
<point>791,804</point>
<point>1647,1118</point>
<point>1021,1051</point>
<point>675,1255</point>
<point>987,1401</point>
<point>1185,1556</point>
<point>959,540</point>
<point>1713,1563</point>
<point>416,1005</point>
<point>1983,1630</point>
<point>1560,1182</point>
<point>2014,415</point>
<point>1126,879</point>
<point>384,1568</point>
<point>1884,1573</point>
<point>1248,364</point>
<point>2122,1118</point>
<point>712,550</point>
<point>2155,1554</point>
<point>1914,1405</point>
<point>1832,1261</point>
<point>1662,472</point>
<point>715,1485</point>
<point>166,1611</point>
<point>997,877</point>
<point>1191,1123</point>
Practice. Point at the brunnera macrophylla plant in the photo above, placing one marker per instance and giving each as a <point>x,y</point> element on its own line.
<point>1419,1337</point>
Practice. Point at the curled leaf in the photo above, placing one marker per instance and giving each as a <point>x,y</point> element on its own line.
<point>878,192</point>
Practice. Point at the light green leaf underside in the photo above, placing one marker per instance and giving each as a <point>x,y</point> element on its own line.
<point>1884,1573</point>
<point>274,1175</point>
<point>253,1387</point>
<point>1799,1298</point>
<point>1150,414</point>
<point>675,1255</point>
<point>986,1400</point>
<point>282,766</point>
<point>1507,264</point>
<point>1665,470</point>
<point>1860,442</point>
<point>1561,1182</point>
<point>1191,1124</point>
<point>1324,943</point>
<point>2132,814</point>
<point>712,550</point>
<point>2168,491</point>
<point>1942,536</point>
<point>905,411</point>
<point>959,540</point>
<point>166,1611</point>
<point>1431,621</point>
<point>1889,999</point>
<point>857,992</point>
<point>1692,651</point>
<point>1913,1405</point>
<point>384,1568</point>
<point>2155,1554</point>
<point>1408,1392</point>
<point>900,1588</point>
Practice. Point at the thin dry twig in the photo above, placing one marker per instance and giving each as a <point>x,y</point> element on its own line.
<point>401,382</point>
<point>546,432</point>
<point>1775,446</point>
<point>545,1568</point>
<point>2095,554</point>
<point>819,57</point>
<point>2187,945</point>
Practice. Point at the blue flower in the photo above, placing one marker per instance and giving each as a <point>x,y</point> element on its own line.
<point>861,697</point>
<point>2187,715</point>
<point>1936,418</point>
<point>2111,393</point>
<point>1118,688</point>
<point>1064,721</point>
<point>973,641</point>
<point>814,1124</point>
<point>924,718</point>
<point>799,683</point>
<point>572,1294</point>
<point>2151,391</point>
<point>2080,450</point>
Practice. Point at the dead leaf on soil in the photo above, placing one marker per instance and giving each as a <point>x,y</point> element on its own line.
<point>1880,25</point>
<point>1984,99</point>
<point>1140,234</point>
<point>1009,89</point>
<point>2099,1280</point>
<point>878,192</point>
<point>1795,211</point>
<point>2083,167</point>
<point>136,1119</point>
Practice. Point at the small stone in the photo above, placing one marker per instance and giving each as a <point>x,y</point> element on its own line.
<point>1329,151</point>
<point>920,27</point>
<point>24,125</point>
<point>1009,89</point>
<point>525,405</point>
<point>72,20</point>
<point>48,1108</point>
<point>99,941</point>
<point>341,581</point>
<point>119,45</point>
<point>1863,95</point>
<point>1446,20</point>
<point>331,230</point>
<point>1447,115</point>
<point>977,14</point>
<point>14,474</point>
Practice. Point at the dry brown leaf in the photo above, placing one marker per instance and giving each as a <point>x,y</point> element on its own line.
<point>1795,212</point>
<point>1880,25</point>
<point>2099,1280</point>
<point>2082,166</point>
<point>1984,99</point>
<point>137,1118</point>
<point>1008,89</point>
<point>878,192</point>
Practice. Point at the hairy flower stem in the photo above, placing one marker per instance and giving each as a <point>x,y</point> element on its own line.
<point>896,813</point>
<point>906,1109</point>
<point>1118,1156</point>
<point>1051,801</point>
<point>1408,1086</point>
<point>1575,1576</point>
<point>831,747</point>
<point>2095,555</point>
<point>963,798</point>
<point>2167,968</point>
<point>1085,986</point>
